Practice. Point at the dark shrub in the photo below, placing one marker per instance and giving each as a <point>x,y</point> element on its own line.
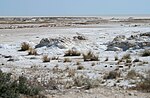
<point>13,88</point>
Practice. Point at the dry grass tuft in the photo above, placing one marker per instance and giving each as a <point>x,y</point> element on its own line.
<point>67,60</point>
<point>32,52</point>
<point>24,46</point>
<point>46,58</point>
<point>72,53</point>
<point>90,57</point>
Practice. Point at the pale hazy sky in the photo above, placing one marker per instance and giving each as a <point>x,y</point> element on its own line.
<point>73,7</point>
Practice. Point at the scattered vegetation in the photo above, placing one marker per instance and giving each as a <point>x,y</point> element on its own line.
<point>32,52</point>
<point>46,58</point>
<point>90,57</point>
<point>24,46</point>
<point>146,53</point>
<point>72,53</point>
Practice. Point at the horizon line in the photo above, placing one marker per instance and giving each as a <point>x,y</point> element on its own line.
<point>107,15</point>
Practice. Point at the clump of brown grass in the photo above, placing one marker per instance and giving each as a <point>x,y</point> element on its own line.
<point>67,60</point>
<point>24,46</point>
<point>90,57</point>
<point>32,52</point>
<point>46,58</point>
<point>72,53</point>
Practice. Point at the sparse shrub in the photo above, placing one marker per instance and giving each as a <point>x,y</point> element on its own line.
<point>90,57</point>
<point>67,60</point>
<point>112,75</point>
<point>126,56</point>
<point>146,53</point>
<point>24,46</point>
<point>80,67</point>
<point>116,58</point>
<point>72,53</point>
<point>46,58</point>
<point>32,52</point>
